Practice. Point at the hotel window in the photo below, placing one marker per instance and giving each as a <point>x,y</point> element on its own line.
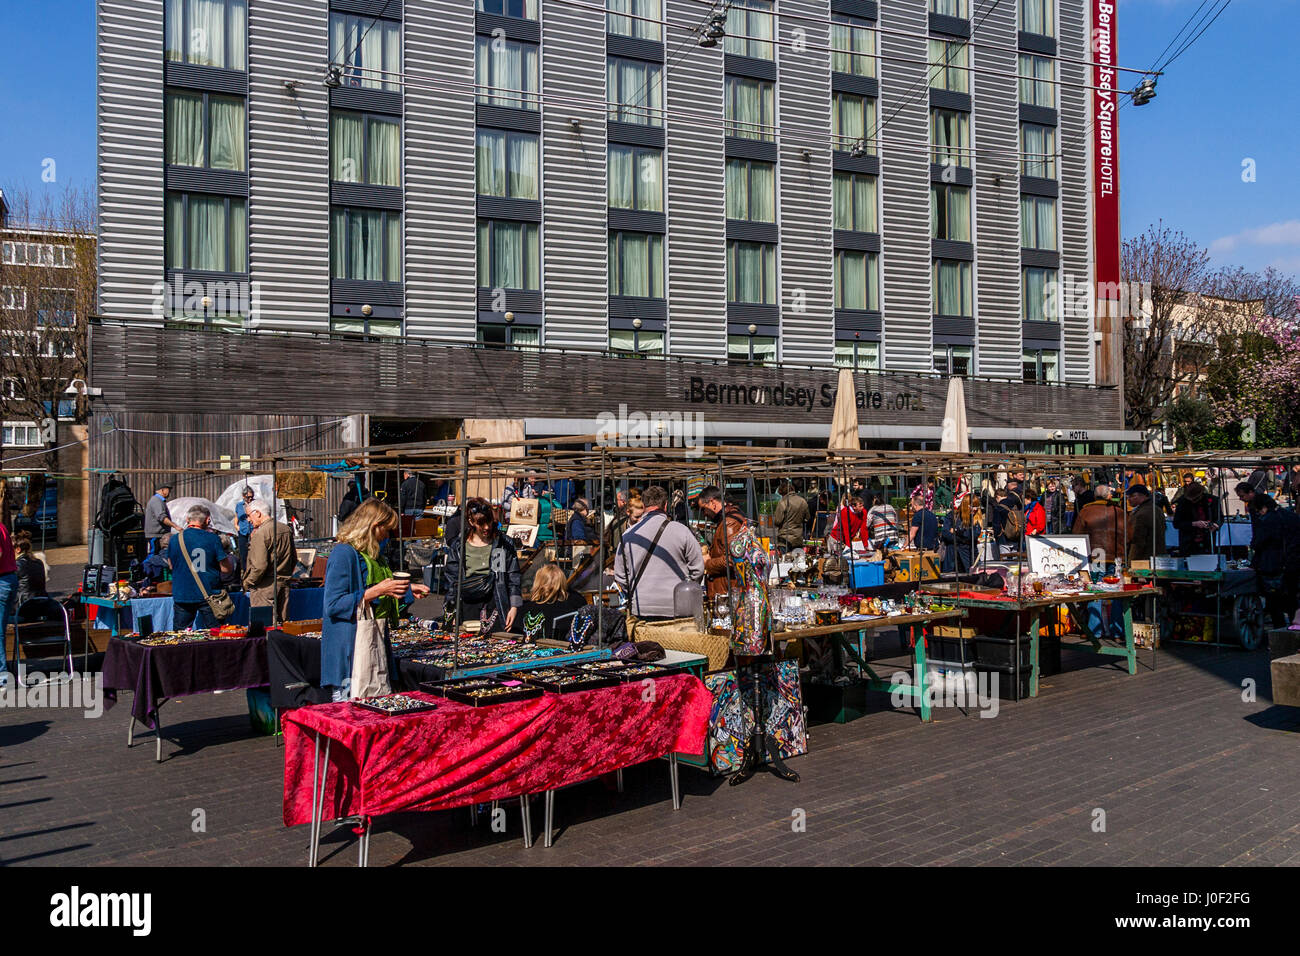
<point>636,178</point>
<point>863,356</point>
<point>510,336</point>
<point>853,46</point>
<point>857,280</point>
<point>950,137</point>
<point>853,120</point>
<point>749,29</point>
<point>1039,293</point>
<point>368,50</point>
<point>950,212</point>
<point>506,164</point>
<point>1041,365</point>
<point>950,8</point>
<point>206,233</point>
<point>365,244</point>
<point>756,349</point>
<point>635,18</point>
<point>751,272</point>
<point>1037,80</point>
<point>1038,16</point>
<point>637,342</point>
<point>954,359</point>
<point>1038,150</point>
<point>855,202</point>
<point>505,73</point>
<point>365,149</point>
<point>949,66</point>
<point>636,264</point>
<point>952,288</point>
<point>751,190</point>
<point>636,92</point>
<point>509,256</point>
<point>1038,223</point>
<point>522,9</point>
<point>207,33</point>
<point>750,111</point>
<point>205,130</point>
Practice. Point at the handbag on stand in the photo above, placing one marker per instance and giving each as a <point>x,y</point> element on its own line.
<point>220,603</point>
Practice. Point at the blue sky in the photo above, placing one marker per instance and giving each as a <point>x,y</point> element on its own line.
<point>1228,99</point>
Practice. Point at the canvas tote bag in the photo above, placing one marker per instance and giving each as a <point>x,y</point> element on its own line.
<point>370,654</point>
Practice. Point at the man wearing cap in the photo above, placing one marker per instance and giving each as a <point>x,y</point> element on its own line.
<point>157,523</point>
<point>1146,525</point>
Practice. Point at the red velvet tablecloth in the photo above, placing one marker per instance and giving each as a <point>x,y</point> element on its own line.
<point>458,755</point>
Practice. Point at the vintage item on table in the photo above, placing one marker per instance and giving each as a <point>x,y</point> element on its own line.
<point>523,511</point>
<point>393,705</point>
<point>630,671</point>
<point>731,721</point>
<point>563,680</point>
<point>484,693</point>
<point>523,535</point>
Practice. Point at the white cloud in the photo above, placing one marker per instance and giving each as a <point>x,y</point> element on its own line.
<point>1287,264</point>
<point>1274,234</point>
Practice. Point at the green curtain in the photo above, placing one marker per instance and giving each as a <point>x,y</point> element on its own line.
<point>1036,76</point>
<point>185,146</point>
<point>490,162</point>
<point>174,42</point>
<point>227,118</point>
<point>949,132</point>
<point>484,254</point>
<point>650,181</point>
<point>511,68</point>
<point>952,288</point>
<point>639,264</point>
<point>737,190</point>
<point>751,272</point>
<point>762,192</point>
<point>851,118</point>
<point>174,244</point>
<point>1036,17</point>
<point>854,46</point>
<point>1038,143</point>
<point>385,142</point>
<point>1036,284</point>
<point>207,32</point>
<point>621,185</point>
<point>631,26</point>
<point>522,164</point>
<point>392,55</point>
<point>238,236</point>
<point>393,238</point>
<point>206,233</point>
<point>347,162</point>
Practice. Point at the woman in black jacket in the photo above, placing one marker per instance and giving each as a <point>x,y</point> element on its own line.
<point>1275,556</point>
<point>1196,516</point>
<point>489,586</point>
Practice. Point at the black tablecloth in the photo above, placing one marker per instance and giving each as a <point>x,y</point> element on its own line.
<point>155,674</point>
<point>294,664</point>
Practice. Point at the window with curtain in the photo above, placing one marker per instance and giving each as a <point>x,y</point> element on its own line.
<point>1037,80</point>
<point>1039,295</point>
<point>950,8</point>
<point>207,33</point>
<point>636,178</point>
<point>636,264</point>
<point>954,359</point>
<point>1038,222</point>
<point>365,149</point>
<point>1041,365</point>
<point>509,336</point>
<point>950,212</point>
<point>635,18</point>
<point>365,244</point>
<point>509,255</point>
<point>368,49</point>
<point>950,137</point>
<point>853,120</point>
<point>750,109</point>
<point>857,280</point>
<point>364,328</point>
<point>506,164</point>
<point>949,66</point>
<point>523,9</point>
<point>751,272</point>
<point>637,341</point>
<point>1038,150</point>
<point>952,288</point>
<point>855,202</point>
<point>851,353</point>
<point>206,233</point>
<point>635,91</point>
<point>505,73</point>
<point>751,190</point>
<point>1038,16</point>
<point>205,130</point>
<point>750,29</point>
<point>853,45</point>
<point>759,349</point>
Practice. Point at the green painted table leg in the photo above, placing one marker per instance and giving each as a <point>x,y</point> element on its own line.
<point>1128,638</point>
<point>1033,654</point>
<point>922,680</point>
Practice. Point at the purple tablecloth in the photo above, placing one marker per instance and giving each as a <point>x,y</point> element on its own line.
<point>155,674</point>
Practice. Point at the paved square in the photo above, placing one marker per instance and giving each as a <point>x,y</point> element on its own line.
<point>1184,770</point>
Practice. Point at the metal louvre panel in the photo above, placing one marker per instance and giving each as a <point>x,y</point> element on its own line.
<point>1075,169</point>
<point>905,188</point>
<point>441,282</point>
<point>130,180</point>
<point>288,164</point>
<point>695,170</point>
<point>807,253</point>
<point>996,132</point>
<point>575,282</point>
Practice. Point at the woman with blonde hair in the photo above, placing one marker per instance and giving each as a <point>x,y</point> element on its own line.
<point>356,573</point>
<point>549,599</point>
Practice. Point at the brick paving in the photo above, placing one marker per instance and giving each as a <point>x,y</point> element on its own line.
<point>1184,770</point>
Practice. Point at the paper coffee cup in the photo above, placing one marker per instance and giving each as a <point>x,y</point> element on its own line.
<point>403,576</point>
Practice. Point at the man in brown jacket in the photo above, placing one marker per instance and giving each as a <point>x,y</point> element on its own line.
<point>790,518</point>
<point>1102,520</point>
<point>272,558</point>
<point>715,563</point>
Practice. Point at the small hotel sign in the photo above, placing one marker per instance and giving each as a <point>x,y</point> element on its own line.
<point>782,394</point>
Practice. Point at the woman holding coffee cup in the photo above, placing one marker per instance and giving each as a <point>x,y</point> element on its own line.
<point>356,572</point>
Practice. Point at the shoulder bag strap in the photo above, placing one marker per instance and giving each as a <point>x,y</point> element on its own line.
<point>180,534</point>
<point>646,563</point>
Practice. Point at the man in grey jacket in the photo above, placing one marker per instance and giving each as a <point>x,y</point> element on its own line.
<point>675,557</point>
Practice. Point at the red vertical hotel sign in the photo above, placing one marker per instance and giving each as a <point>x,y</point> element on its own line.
<point>1105,150</point>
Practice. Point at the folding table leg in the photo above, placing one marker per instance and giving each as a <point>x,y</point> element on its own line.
<point>130,733</point>
<point>315,780</point>
<point>527,816</point>
<point>548,825</point>
<point>618,776</point>
<point>363,843</point>
<point>672,776</point>
<point>318,814</point>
